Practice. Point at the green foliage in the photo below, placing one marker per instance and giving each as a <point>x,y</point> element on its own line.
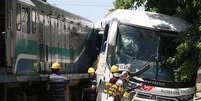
<point>198,45</point>
<point>188,55</point>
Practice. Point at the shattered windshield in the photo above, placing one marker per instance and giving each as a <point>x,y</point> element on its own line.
<point>139,46</point>
<point>135,46</point>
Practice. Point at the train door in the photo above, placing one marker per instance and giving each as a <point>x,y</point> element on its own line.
<point>2,34</point>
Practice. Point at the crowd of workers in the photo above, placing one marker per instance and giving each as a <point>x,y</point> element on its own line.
<point>115,87</point>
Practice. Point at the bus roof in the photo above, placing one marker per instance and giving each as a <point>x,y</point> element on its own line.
<point>148,19</point>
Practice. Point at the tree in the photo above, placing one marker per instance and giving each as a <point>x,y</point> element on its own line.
<point>188,55</point>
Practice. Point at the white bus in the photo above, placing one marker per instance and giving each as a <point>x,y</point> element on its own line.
<point>135,39</point>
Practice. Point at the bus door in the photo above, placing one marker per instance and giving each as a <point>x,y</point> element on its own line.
<point>2,34</point>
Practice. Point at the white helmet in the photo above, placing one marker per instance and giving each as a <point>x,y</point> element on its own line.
<point>119,83</point>
<point>124,72</point>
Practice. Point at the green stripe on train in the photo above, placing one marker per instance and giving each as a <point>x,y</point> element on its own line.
<point>32,47</point>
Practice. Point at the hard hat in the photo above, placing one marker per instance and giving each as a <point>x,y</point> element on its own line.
<point>114,69</point>
<point>119,83</point>
<point>124,73</point>
<point>91,70</point>
<point>56,66</point>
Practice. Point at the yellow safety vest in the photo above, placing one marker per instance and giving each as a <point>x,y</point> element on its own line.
<point>114,90</point>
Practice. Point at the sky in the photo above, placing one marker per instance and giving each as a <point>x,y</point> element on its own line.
<point>93,10</point>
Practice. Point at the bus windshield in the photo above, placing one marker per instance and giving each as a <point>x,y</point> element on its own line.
<point>139,47</point>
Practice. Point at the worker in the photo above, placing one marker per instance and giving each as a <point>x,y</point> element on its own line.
<point>57,84</point>
<point>90,92</point>
<point>125,79</point>
<point>115,82</point>
<point>92,76</point>
<point>116,74</point>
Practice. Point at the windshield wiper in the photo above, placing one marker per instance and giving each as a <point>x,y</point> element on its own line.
<point>141,71</point>
<point>144,68</point>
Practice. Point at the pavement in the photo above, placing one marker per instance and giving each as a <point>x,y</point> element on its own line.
<point>197,96</point>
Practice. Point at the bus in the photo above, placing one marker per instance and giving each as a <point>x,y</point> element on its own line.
<point>134,39</point>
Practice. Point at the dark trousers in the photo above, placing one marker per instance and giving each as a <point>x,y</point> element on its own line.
<point>89,96</point>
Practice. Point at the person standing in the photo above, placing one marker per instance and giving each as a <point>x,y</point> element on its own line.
<point>115,82</point>
<point>57,84</point>
<point>90,92</point>
<point>92,77</point>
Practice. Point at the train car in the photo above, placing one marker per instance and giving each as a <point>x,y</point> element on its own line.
<point>33,35</point>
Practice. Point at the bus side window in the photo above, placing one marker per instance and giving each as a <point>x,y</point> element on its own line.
<point>104,41</point>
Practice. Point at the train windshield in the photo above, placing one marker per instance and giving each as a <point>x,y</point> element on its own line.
<point>138,47</point>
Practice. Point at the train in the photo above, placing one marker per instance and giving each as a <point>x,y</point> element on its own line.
<point>33,35</point>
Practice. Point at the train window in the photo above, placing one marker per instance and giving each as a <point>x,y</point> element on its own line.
<point>61,27</point>
<point>41,23</point>
<point>33,21</point>
<point>64,27</point>
<point>57,23</point>
<point>47,30</point>
<point>18,17</point>
<point>25,20</point>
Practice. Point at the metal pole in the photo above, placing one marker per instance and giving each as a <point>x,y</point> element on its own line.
<point>157,60</point>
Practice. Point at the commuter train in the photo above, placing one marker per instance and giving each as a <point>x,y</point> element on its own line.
<point>134,40</point>
<point>34,34</point>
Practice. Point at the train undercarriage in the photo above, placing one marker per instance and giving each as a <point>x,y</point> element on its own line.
<point>37,90</point>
